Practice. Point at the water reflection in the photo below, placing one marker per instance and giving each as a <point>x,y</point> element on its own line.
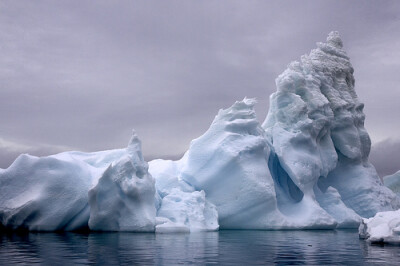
<point>224,247</point>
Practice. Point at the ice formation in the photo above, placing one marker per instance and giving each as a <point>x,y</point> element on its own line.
<point>384,227</point>
<point>180,208</point>
<point>47,193</point>
<point>316,126</point>
<point>305,167</point>
<point>51,193</point>
<point>230,163</point>
<point>393,182</point>
<point>123,198</point>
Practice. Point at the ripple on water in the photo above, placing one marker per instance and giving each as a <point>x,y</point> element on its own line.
<point>224,247</point>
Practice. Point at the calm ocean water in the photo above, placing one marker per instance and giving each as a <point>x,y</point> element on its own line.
<point>223,248</point>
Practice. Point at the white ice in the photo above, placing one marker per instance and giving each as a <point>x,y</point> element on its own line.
<point>180,208</point>
<point>230,164</point>
<point>51,193</point>
<point>384,227</point>
<point>123,198</point>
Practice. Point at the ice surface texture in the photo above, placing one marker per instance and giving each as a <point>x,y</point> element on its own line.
<point>230,163</point>
<point>306,167</point>
<point>384,227</point>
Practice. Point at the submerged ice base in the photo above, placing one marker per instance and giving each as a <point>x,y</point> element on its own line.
<point>305,167</point>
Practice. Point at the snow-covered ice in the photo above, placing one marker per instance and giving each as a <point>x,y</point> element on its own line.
<point>305,167</point>
<point>384,227</point>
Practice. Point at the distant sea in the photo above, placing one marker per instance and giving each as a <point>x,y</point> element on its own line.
<point>226,247</point>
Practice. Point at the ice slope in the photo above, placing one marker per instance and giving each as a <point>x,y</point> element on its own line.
<point>393,182</point>
<point>51,193</point>
<point>384,227</point>
<point>316,126</point>
<point>45,194</point>
<point>123,198</point>
<point>230,163</point>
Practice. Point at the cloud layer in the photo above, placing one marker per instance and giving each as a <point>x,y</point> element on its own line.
<point>385,156</point>
<point>81,75</point>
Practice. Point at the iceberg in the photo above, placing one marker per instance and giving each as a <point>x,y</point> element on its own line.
<point>305,167</point>
<point>393,182</point>
<point>384,227</point>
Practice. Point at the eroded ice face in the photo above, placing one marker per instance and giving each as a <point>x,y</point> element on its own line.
<point>316,126</point>
<point>315,114</point>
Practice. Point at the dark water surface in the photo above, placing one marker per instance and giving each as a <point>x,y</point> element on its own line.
<point>224,247</point>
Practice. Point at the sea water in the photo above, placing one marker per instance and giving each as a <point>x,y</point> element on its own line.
<point>223,248</point>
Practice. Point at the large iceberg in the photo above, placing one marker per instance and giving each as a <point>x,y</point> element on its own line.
<point>305,167</point>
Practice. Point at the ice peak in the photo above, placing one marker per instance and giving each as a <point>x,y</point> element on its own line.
<point>134,139</point>
<point>246,103</point>
<point>334,39</point>
<point>249,101</point>
<point>239,110</point>
<point>239,118</point>
<point>135,145</point>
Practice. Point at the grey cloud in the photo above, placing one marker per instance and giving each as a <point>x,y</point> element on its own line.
<point>385,156</point>
<point>9,151</point>
<point>83,74</point>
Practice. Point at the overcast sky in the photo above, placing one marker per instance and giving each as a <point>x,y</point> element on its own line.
<point>80,75</point>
